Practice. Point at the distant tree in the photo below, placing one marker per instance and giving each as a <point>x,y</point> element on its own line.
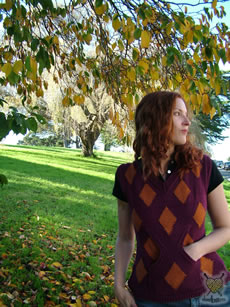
<point>36,140</point>
<point>109,136</point>
<point>213,127</point>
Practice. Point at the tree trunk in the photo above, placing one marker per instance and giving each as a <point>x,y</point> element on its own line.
<point>87,148</point>
<point>88,138</point>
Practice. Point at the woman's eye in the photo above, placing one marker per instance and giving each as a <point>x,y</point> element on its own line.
<point>176,113</point>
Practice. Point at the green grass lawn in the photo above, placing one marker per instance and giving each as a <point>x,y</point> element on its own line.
<point>58,227</point>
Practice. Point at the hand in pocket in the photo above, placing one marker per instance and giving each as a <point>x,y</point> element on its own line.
<point>192,251</point>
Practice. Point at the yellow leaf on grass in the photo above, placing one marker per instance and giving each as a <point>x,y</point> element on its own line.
<point>41,274</point>
<point>106,298</point>
<point>145,39</point>
<point>86,296</point>
<point>1,302</point>
<point>57,265</point>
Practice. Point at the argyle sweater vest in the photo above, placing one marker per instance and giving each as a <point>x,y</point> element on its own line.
<point>168,215</point>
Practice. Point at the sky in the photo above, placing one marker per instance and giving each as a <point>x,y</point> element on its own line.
<point>220,150</point>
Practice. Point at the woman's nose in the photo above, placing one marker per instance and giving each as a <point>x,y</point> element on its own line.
<point>186,121</point>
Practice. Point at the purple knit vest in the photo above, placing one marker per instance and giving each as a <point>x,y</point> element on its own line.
<point>167,216</point>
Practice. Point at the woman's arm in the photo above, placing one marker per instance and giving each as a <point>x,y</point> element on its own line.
<point>220,217</point>
<point>123,253</point>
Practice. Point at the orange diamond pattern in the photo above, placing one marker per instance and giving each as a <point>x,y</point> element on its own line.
<point>147,195</point>
<point>140,271</point>
<point>167,220</point>
<point>136,220</point>
<point>206,265</point>
<point>187,240</point>
<point>182,191</point>
<point>199,215</point>
<point>130,174</point>
<point>196,170</point>
<point>151,249</point>
<point>175,276</point>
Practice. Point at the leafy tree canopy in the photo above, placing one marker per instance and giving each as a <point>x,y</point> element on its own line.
<point>132,47</point>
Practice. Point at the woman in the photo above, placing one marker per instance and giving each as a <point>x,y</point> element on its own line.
<point>163,197</point>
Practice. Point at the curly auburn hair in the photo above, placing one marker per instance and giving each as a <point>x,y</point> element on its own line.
<point>154,128</point>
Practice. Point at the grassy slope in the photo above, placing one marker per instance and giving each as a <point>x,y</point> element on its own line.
<point>57,207</point>
<point>58,226</point>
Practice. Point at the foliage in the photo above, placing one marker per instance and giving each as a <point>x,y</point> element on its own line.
<point>131,47</point>
<point>213,128</point>
<point>35,140</point>
<point>18,122</point>
<point>58,227</point>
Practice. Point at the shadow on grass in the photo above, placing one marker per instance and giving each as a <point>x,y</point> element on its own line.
<point>61,195</point>
<point>108,163</point>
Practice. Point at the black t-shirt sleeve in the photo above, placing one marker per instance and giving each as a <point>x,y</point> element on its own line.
<point>215,179</point>
<point>117,191</point>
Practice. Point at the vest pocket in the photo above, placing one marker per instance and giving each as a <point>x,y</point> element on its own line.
<point>174,272</point>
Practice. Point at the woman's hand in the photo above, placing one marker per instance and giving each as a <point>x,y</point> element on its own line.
<point>124,297</point>
<point>192,251</point>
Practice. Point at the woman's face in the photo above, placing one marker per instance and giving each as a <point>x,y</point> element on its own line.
<point>181,122</point>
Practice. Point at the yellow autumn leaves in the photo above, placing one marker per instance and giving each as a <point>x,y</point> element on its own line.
<point>7,68</point>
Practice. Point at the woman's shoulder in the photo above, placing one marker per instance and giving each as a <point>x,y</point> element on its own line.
<point>128,170</point>
<point>206,160</point>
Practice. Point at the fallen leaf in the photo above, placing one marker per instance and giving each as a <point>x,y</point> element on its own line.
<point>41,274</point>
<point>57,265</point>
<point>86,297</point>
<point>106,298</point>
